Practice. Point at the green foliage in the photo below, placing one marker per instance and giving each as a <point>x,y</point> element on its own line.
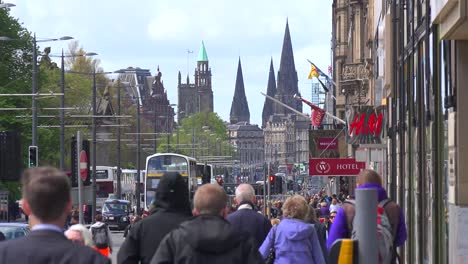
<point>15,72</point>
<point>202,134</point>
<point>13,187</point>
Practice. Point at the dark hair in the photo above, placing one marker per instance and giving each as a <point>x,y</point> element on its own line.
<point>2,236</point>
<point>47,191</point>
<point>98,218</point>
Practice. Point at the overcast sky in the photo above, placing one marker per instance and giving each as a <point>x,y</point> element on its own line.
<point>148,33</point>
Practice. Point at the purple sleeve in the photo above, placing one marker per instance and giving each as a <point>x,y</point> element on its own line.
<point>401,234</point>
<point>338,229</point>
<point>266,245</point>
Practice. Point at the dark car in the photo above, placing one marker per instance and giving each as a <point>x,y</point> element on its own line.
<point>116,213</point>
<point>14,230</point>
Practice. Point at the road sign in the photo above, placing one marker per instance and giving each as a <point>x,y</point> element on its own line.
<point>83,165</point>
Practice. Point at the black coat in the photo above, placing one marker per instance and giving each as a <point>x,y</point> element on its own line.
<point>144,237</point>
<point>207,239</point>
<point>252,222</point>
<point>48,247</point>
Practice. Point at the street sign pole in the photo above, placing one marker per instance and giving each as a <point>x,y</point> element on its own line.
<point>78,177</point>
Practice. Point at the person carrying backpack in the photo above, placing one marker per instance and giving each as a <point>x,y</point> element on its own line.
<point>101,236</point>
<point>391,226</point>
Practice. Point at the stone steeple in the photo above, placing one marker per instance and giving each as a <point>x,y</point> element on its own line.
<point>271,91</point>
<point>239,108</point>
<point>287,78</point>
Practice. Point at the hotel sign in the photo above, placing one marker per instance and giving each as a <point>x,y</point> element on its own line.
<point>335,167</point>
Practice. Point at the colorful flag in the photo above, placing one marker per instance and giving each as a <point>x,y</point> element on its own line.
<point>323,85</point>
<point>313,72</point>
<point>321,73</point>
<point>317,114</point>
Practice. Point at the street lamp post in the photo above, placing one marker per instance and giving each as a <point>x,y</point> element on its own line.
<point>167,126</point>
<point>62,103</point>
<point>119,169</point>
<point>6,5</point>
<point>137,187</point>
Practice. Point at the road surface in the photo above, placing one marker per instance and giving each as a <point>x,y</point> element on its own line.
<point>117,240</point>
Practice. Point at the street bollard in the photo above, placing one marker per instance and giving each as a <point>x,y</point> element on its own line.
<point>365,224</point>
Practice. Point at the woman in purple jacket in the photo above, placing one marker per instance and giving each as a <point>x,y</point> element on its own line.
<point>295,240</point>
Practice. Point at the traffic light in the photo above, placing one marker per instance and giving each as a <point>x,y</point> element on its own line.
<point>272,178</point>
<point>32,156</point>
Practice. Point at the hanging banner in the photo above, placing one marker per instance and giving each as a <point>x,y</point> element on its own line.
<point>327,143</point>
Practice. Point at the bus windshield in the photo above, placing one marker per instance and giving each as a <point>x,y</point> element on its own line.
<point>102,174</point>
<point>158,165</point>
<point>156,168</point>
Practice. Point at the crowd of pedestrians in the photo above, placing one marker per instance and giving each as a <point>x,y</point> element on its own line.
<point>302,229</point>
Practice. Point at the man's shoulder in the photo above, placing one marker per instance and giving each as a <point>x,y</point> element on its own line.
<point>18,249</point>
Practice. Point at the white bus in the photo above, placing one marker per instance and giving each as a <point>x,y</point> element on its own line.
<point>158,164</point>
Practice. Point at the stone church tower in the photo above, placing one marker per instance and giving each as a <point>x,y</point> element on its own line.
<point>196,97</point>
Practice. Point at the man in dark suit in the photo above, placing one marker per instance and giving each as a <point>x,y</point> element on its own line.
<point>47,201</point>
<point>246,218</point>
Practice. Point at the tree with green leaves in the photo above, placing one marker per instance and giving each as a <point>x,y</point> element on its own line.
<point>200,135</point>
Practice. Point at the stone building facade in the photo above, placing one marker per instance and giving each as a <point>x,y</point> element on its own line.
<point>248,142</point>
<point>352,54</point>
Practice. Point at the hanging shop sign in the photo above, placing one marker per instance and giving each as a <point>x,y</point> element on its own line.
<point>335,167</point>
<point>366,125</point>
<point>327,143</point>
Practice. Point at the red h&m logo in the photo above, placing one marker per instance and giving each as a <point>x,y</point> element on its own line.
<point>373,125</point>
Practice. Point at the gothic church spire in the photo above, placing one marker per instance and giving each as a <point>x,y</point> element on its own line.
<point>239,108</point>
<point>271,91</point>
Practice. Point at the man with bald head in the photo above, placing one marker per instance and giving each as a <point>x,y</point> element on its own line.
<point>246,217</point>
<point>207,237</point>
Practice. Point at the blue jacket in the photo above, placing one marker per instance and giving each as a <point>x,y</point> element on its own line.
<point>250,221</point>
<point>295,242</point>
<point>339,228</point>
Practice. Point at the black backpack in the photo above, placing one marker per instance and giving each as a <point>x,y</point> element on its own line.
<point>100,238</point>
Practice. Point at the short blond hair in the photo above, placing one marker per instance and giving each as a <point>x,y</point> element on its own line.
<point>369,176</point>
<point>210,199</point>
<point>295,207</point>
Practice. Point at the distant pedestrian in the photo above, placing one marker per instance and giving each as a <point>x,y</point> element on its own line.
<point>101,236</point>
<point>320,228</point>
<point>343,221</point>
<point>46,199</point>
<point>80,234</point>
<point>246,218</point>
<point>295,241</point>
<point>170,208</point>
<point>208,237</point>
<point>334,205</point>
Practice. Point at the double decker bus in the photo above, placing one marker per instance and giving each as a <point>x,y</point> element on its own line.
<point>158,164</point>
<point>105,176</point>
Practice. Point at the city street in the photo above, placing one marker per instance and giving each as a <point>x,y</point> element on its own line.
<point>117,240</point>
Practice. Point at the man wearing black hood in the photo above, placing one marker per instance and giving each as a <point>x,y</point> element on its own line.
<point>208,237</point>
<point>172,207</point>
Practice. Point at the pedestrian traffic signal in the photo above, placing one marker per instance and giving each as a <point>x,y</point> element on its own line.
<point>272,178</point>
<point>32,156</point>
